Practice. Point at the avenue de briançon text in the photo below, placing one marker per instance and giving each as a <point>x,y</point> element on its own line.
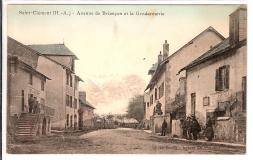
<point>95,13</point>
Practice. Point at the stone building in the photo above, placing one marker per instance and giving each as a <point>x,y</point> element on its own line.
<point>216,82</point>
<point>86,112</point>
<point>24,82</point>
<point>167,86</point>
<point>62,93</point>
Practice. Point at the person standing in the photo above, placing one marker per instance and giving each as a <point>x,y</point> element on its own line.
<point>164,128</point>
<point>209,133</point>
<point>30,102</point>
<point>188,128</point>
<point>195,128</point>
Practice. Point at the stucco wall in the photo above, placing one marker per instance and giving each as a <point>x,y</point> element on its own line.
<point>55,89</point>
<point>180,59</point>
<point>65,60</point>
<point>150,109</point>
<point>201,80</point>
<point>20,81</point>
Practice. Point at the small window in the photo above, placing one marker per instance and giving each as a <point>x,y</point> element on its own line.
<point>75,103</point>
<point>42,85</point>
<point>67,100</point>
<point>161,90</point>
<point>70,80</point>
<point>67,120</point>
<point>70,100</point>
<point>222,78</point>
<point>67,77</point>
<point>30,79</point>
<point>71,120</point>
<point>151,99</point>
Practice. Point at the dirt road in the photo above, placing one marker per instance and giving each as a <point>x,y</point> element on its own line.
<point>118,141</point>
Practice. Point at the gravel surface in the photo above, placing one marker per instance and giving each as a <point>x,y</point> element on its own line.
<point>117,141</point>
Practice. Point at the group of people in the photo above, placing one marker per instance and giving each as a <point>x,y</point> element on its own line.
<point>191,128</point>
<point>33,105</point>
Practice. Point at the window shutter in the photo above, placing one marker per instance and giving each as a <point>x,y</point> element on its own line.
<point>217,80</point>
<point>227,77</point>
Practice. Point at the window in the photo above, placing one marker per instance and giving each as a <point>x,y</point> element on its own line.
<point>30,79</point>
<point>75,103</point>
<point>147,104</point>
<point>67,120</point>
<point>67,100</point>
<point>71,120</point>
<point>67,77</point>
<point>193,103</point>
<point>223,109</point>
<point>42,85</point>
<point>222,78</point>
<point>151,99</point>
<point>161,90</point>
<point>155,93</point>
<point>70,100</point>
<point>70,80</point>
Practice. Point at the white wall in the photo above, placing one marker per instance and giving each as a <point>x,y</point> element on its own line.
<point>201,80</point>
<point>182,58</point>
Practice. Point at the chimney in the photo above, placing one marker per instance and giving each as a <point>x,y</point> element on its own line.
<point>160,58</point>
<point>238,25</point>
<point>166,47</point>
<point>82,95</point>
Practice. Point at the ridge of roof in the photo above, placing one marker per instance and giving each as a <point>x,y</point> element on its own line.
<point>210,28</point>
<point>159,66</point>
<point>53,49</point>
<point>217,50</point>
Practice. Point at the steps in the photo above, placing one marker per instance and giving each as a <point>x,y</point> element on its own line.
<point>25,129</point>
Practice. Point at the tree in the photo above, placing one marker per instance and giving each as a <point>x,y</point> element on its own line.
<point>136,108</point>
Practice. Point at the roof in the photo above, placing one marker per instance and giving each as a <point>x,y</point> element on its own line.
<point>210,28</point>
<point>216,51</point>
<point>15,58</point>
<point>162,64</point>
<point>86,103</point>
<point>53,49</point>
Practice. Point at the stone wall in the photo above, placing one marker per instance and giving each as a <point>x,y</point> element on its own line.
<point>157,123</point>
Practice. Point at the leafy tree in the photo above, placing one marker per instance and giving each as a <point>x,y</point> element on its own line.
<point>136,108</point>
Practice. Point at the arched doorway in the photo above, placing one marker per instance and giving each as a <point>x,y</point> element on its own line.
<point>44,127</point>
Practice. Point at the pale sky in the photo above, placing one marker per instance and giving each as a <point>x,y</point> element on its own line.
<point>111,49</point>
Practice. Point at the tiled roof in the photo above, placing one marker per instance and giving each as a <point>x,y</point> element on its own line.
<point>218,50</point>
<point>53,49</point>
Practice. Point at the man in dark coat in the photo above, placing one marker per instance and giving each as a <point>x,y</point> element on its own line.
<point>195,128</point>
<point>30,102</point>
<point>186,127</point>
<point>164,127</point>
<point>209,133</point>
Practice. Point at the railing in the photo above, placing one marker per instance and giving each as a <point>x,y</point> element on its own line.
<point>47,110</point>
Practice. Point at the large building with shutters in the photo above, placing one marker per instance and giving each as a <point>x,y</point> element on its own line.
<point>216,82</point>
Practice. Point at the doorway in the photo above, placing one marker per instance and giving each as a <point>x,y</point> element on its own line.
<point>193,103</point>
<point>44,127</point>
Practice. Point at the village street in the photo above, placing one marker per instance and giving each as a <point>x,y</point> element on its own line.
<point>118,141</point>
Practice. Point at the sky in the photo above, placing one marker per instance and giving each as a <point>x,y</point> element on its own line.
<point>115,52</point>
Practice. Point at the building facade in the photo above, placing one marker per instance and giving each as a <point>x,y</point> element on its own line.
<point>216,83</point>
<point>167,85</point>
<point>24,82</point>
<point>58,62</point>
